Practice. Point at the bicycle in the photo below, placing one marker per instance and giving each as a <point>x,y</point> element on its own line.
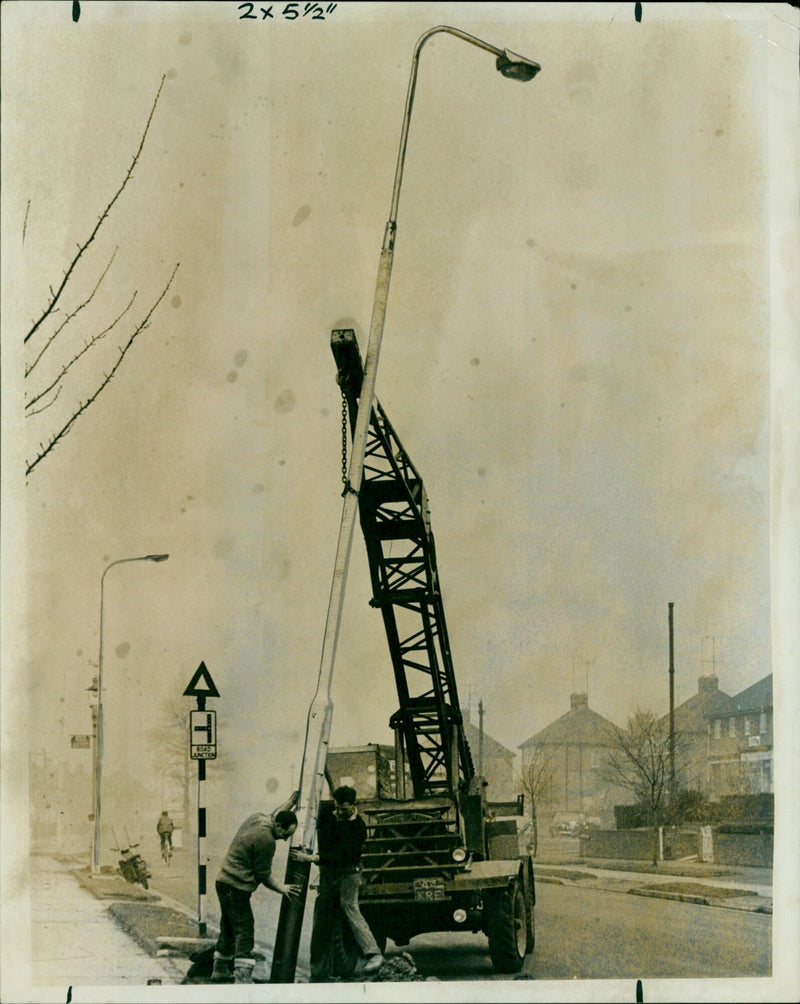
<point>166,853</point>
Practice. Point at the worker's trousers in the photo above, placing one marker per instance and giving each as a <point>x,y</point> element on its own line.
<point>337,890</point>
<point>236,922</point>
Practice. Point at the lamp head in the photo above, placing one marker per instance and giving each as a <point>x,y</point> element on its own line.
<point>157,557</point>
<point>516,67</point>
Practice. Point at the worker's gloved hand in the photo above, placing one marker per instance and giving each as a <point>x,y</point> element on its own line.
<point>300,855</point>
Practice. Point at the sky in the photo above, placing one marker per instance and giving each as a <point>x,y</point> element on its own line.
<point>588,354</point>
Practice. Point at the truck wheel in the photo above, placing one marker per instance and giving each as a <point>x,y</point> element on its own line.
<point>530,930</point>
<point>530,926</point>
<point>506,928</point>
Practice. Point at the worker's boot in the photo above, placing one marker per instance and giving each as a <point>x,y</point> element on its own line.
<point>374,963</point>
<point>243,970</point>
<point>223,969</point>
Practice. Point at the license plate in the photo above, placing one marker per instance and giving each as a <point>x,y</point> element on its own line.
<point>428,890</point>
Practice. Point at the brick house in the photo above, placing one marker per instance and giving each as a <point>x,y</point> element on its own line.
<point>740,758</point>
<point>692,733</point>
<point>569,757</point>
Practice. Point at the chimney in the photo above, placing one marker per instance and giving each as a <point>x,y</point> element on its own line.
<point>707,684</point>
<point>578,701</point>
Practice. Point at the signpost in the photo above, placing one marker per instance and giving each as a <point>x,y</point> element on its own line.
<point>202,747</point>
<point>203,735</point>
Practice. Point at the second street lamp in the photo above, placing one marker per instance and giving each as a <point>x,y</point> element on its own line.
<point>312,775</point>
<point>98,760</point>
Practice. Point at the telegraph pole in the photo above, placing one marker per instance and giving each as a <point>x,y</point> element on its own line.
<point>480,737</point>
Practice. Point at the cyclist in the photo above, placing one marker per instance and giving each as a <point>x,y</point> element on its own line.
<point>164,829</point>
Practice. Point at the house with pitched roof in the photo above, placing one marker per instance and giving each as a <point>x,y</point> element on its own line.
<point>493,761</point>
<point>567,759</point>
<point>739,754</point>
<point>692,733</point>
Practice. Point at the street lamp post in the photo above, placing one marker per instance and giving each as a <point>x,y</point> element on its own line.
<point>98,760</point>
<point>312,776</point>
<point>93,706</point>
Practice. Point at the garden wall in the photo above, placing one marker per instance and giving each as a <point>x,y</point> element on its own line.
<point>725,848</point>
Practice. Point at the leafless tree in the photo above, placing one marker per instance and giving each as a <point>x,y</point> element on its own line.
<point>538,784</point>
<point>639,761</point>
<point>171,758</point>
<point>169,738</point>
<point>56,329</point>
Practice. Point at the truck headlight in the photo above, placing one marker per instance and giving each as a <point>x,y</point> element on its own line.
<point>459,854</point>
<point>459,916</point>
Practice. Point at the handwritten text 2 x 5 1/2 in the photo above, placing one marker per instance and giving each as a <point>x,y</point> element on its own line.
<point>288,12</point>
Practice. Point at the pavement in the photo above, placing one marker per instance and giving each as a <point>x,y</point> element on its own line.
<point>75,940</point>
<point>732,888</point>
<point>101,931</point>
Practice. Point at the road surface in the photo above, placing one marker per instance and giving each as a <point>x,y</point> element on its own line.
<point>580,933</point>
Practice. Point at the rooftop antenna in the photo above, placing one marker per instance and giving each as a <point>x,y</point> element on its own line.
<point>704,649</point>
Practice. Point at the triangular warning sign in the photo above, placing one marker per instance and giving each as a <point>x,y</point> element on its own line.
<point>201,684</point>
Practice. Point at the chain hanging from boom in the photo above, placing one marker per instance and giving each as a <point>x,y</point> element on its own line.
<point>345,479</point>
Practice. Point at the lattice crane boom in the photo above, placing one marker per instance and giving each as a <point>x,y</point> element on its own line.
<point>395,521</point>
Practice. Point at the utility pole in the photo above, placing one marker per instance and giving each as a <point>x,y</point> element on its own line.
<point>480,738</point>
<point>671,709</point>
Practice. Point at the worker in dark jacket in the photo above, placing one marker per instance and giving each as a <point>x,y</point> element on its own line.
<point>247,865</point>
<point>341,833</point>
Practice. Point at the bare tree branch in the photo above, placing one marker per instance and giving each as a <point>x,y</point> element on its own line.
<point>65,369</point>
<point>123,351</point>
<point>44,407</point>
<point>55,295</point>
<point>69,317</point>
<point>170,756</point>
<point>638,761</point>
<point>537,783</point>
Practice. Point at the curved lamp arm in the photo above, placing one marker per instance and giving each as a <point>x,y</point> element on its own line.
<point>508,63</point>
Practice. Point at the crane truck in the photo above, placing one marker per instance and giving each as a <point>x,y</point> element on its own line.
<point>439,854</point>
